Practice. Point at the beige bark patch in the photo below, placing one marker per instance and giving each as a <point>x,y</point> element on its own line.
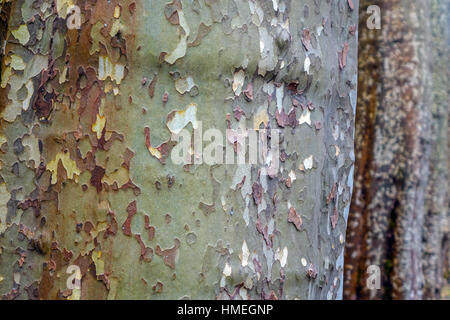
<point>70,165</point>
<point>177,120</point>
<point>22,34</point>
<point>4,198</point>
<point>282,255</point>
<point>17,62</point>
<point>305,117</point>
<point>245,254</point>
<point>117,12</point>
<point>183,85</point>
<point>308,163</point>
<point>227,270</point>
<point>238,82</point>
<point>108,69</point>
<point>260,117</point>
<point>121,176</point>
<point>99,125</point>
<point>304,262</point>
<point>180,50</point>
<point>306,65</point>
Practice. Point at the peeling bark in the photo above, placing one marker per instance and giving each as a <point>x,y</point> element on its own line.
<point>87,177</point>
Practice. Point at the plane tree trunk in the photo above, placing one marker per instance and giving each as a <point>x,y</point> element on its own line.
<point>88,182</point>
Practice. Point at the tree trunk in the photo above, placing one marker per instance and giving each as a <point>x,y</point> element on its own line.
<point>88,178</point>
<point>399,218</point>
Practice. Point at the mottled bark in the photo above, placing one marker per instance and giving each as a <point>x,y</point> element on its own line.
<point>436,236</point>
<point>369,71</point>
<point>87,177</point>
<point>399,203</point>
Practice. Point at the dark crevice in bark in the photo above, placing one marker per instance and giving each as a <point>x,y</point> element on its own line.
<point>359,288</point>
<point>390,253</point>
<point>445,258</point>
<point>367,104</point>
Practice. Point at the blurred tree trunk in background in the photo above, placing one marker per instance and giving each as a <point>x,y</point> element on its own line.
<point>399,213</point>
<point>436,238</point>
<point>86,177</point>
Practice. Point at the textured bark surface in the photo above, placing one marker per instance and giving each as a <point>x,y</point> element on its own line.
<point>86,173</point>
<point>398,217</point>
<point>436,253</point>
